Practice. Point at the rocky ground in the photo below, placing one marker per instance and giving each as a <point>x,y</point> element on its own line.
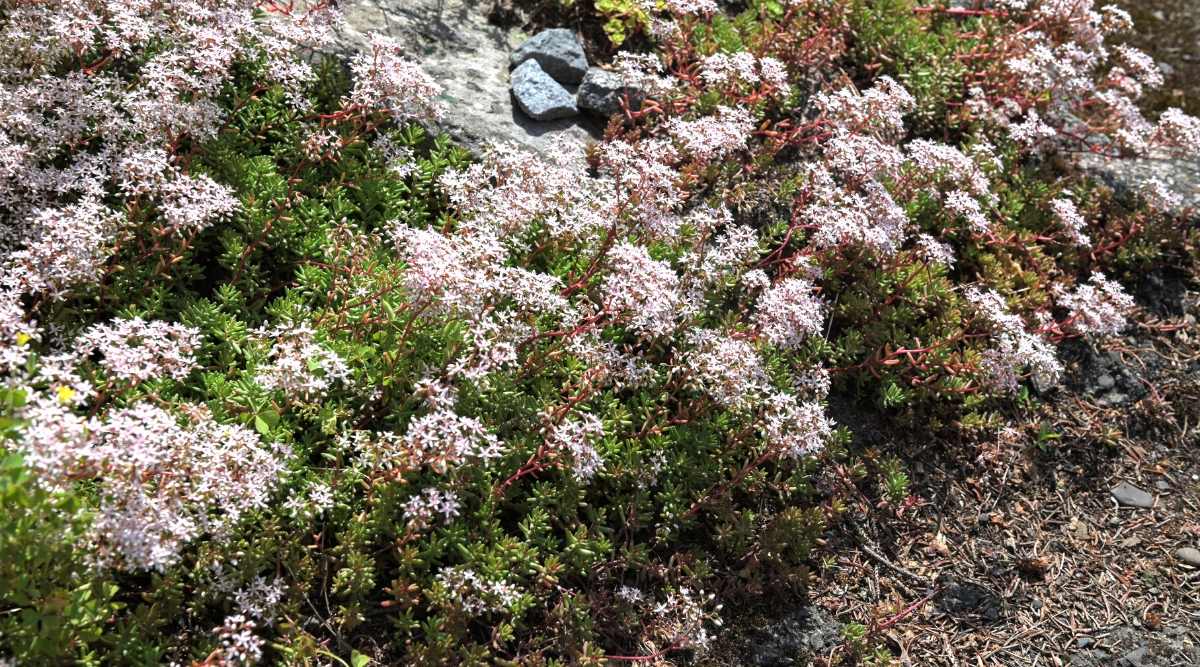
<point>461,45</point>
<point>1071,551</point>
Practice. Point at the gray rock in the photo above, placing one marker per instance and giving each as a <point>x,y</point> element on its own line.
<point>1084,642</point>
<point>539,95</point>
<point>1162,486</point>
<point>557,51</point>
<point>1131,496</point>
<point>1136,656</point>
<point>798,635</point>
<point>1188,555</point>
<point>601,92</point>
<point>1126,175</point>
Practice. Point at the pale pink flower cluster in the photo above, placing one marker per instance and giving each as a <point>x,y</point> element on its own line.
<point>63,247</point>
<point>577,437</point>
<point>443,438</point>
<point>160,484</point>
<point>882,107</point>
<point>961,203</point>
<point>1015,348</point>
<point>475,595</point>
<point>1181,130</point>
<point>1159,195</point>
<point>1073,224</point>
<point>867,215</point>
<point>744,68</point>
<point>729,370</point>
<point>1096,308</point>
<point>239,644</point>
<point>789,312</point>
<point>681,618</point>
<point>1139,71</point>
<point>297,364</point>
<point>316,501</point>
<point>713,137</point>
<point>15,332</point>
<point>421,509</point>
<point>384,79</point>
<point>630,594</point>
<point>728,253</point>
<point>50,122</point>
<point>643,290</point>
<point>1060,56</point>
<point>643,71</point>
<point>137,350</point>
<point>1033,130</point>
<point>795,428</point>
<point>850,202</point>
<point>509,190</point>
<point>933,250</point>
<point>941,162</point>
<point>260,599</point>
<point>84,140</point>
<point>686,7</point>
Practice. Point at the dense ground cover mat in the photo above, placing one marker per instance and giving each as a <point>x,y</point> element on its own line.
<point>289,379</point>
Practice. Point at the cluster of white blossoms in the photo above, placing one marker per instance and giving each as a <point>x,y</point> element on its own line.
<point>1072,223</point>
<point>1060,55</point>
<point>1099,307</point>
<point>163,478</point>
<point>297,364</point>
<point>475,595</point>
<point>422,508</point>
<point>853,192</point>
<point>71,139</point>
<point>1015,347</point>
<point>95,99</point>
<point>577,438</point>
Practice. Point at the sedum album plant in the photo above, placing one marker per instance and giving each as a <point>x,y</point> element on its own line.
<point>288,381</point>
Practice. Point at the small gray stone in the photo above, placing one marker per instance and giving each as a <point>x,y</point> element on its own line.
<point>539,95</point>
<point>557,51</point>
<point>1037,603</point>
<point>1162,486</point>
<point>1084,642</point>
<point>1129,495</point>
<point>601,92</point>
<point>1189,556</point>
<point>1135,656</point>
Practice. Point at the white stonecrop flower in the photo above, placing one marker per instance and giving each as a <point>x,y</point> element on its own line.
<point>961,203</point>
<point>474,594</point>
<point>712,137</point>
<point>298,365</point>
<point>1073,224</point>
<point>160,484</point>
<point>643,290</point>
<point>421,509</point>
<point>70,139</point>
<point>1096,308</point>
<point>442,438</point>
<point>727,369</point>
<point>64,247</point>
<point>789,312</point>
<point>795,428</point>
<point>383,79</point>
<point>577,438</point>
<point>1015,347</point>
<point>138,350</point>
<point>882,107</point>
